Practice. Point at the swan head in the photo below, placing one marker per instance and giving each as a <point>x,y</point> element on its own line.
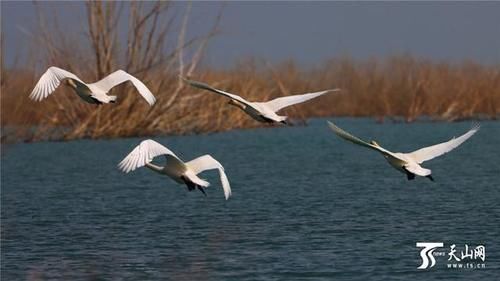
<point>236,103</point>
<point>374,143</point>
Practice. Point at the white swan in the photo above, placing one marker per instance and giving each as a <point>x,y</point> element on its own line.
<point>261,111</point>
<point>95,93</point>
<point>408,163</point>
<point>175,168</point>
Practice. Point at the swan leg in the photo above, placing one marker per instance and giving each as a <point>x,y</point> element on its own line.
<point>190,185</point>
<point>96,101</point>
<point>410,176</point>
<point>266,120</point>
<point>430,177</point>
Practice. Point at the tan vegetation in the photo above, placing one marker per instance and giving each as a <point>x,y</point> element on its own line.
<point>400,88</point>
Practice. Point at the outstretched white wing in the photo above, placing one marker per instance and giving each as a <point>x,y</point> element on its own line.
<point>282,102</point>
<point>428,153</point>
<point>207,162</point>
<point>345,135</point>
<point>204,86</point>
<point>144,153</point>
<point>121,76</point>
<point>49,81</point>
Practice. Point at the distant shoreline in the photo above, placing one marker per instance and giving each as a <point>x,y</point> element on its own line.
<point>16,134</point>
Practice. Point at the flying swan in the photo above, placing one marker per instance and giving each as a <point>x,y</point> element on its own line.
<point>261,111</point>
<point>409,163</point>
<point>175,168</point>
<point>95,93</point>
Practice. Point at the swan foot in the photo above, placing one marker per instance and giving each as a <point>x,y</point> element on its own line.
<point>410,176</point>
<point>430,177</point>
<point>202,191</point>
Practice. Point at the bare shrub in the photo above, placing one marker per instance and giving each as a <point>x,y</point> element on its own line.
<point>156,50</point>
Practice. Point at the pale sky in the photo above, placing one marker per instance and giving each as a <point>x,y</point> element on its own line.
<point>311,32</point>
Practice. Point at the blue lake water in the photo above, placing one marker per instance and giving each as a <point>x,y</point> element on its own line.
<point>306,205</point>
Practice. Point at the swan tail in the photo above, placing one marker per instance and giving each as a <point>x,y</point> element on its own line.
<point>200,182</point>
<point>417,170</point>
<point>195,179</point>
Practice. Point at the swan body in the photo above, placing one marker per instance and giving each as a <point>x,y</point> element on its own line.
<point>95,93</point>
<point>181,172</point>
<point>409,163</point>
<point>261,111</point>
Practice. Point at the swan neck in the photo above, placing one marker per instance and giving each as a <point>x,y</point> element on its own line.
<point>71,83</point>
<point>154,167</point>
<point>237,104</point>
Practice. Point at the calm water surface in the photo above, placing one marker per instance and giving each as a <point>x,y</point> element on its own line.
<point>305,205</point>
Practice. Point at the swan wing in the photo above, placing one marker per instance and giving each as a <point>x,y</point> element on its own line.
<point>207,162</point>
<point>205,86</point>
<point>144,153</point>
<point>345,135</point>
<point>279,103</point>
<point>428,153</point>
<point>120,76</point>
<point>49,81</point>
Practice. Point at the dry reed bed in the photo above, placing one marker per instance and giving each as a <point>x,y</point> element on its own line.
<point>401,87</point>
